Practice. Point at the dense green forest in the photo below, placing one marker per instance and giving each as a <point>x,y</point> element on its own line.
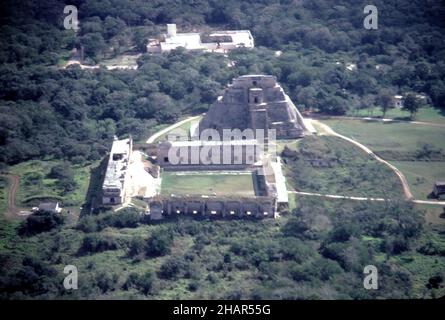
<point>48,112</point>
<point>317,252</point>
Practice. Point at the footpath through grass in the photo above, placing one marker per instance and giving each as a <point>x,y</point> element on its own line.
<point>417,150</point>
<point>330,165</point>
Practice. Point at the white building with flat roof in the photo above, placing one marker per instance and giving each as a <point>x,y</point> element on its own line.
<point>218,41</point>
<point>113,188</point>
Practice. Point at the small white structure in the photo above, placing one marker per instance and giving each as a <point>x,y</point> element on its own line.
<point>351,66</point>
<point>50,207</point>
<point>398,101</point>
<point>218,41</point>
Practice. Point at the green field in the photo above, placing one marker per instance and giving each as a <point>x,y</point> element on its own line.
<point>330,165</point>
<point>35,185</point>
<point>424,114</point>
<point>421,175</point>
<point>183,130</point>
<point>394,140</point>
<point>208,183</point>
<point>380,136</point>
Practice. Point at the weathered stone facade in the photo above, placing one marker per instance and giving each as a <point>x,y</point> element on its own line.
<point>257,207</point>
<point>207,155</point>
<point>255,102</point>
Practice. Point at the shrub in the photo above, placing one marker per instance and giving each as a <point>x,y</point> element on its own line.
<point>41,221</point>
<point>65,176</point>
<point>342,233</point>
<point>159,243</point>
<point>395,245</point>
<point>136,247</point>
<point>97,243</point>
<point>106,282</point>
<point>300,272</point>
<point>126,218</point>
<point>144,283</point>
<point>172,268</point>
<point>87,224</point>
<point>295,227</point>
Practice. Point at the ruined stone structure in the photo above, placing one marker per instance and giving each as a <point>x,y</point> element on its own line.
<point>242,125</point>
<point>197,154</point>
<point>256,102</point>
<point>113,188</point>
<point>204,206</point>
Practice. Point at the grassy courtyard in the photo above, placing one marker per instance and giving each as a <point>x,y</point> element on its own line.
<point>208,183</point>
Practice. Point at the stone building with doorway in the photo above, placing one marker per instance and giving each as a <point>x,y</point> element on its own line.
<point>255,102</point>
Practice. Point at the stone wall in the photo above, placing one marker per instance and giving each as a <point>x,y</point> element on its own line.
<point>254,207</point>
<point>195,155</point>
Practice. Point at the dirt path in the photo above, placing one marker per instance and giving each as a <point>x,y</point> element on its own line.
<point>173,126</point>
<point>334,196</point>
<point>408,195</point>
<point>11,209</point>
<point>406,190</point>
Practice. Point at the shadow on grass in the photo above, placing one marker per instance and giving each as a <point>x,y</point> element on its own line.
<point>94,192</point>
<point>403,119</point>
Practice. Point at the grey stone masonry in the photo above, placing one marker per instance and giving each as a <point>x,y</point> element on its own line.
<point>256,102</point>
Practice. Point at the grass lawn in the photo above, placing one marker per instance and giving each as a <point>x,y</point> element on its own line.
<point>183,130</point>
<point>421,175</point>
<point>122,60</point>
<point>434,215</point>
<point>34,183</point>
<point>422,267</point>
<point>400,138</point>
<point>424,114</point>
<point>208,183</point>
<point>389,136</point>
<point>330,165</point>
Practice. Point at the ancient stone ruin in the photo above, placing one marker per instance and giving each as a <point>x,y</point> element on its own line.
<point>256,102</point>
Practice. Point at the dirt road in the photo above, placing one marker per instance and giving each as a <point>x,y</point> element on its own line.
<point>11,209</point>
<point>173,126</point>
<point>406,190</point>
